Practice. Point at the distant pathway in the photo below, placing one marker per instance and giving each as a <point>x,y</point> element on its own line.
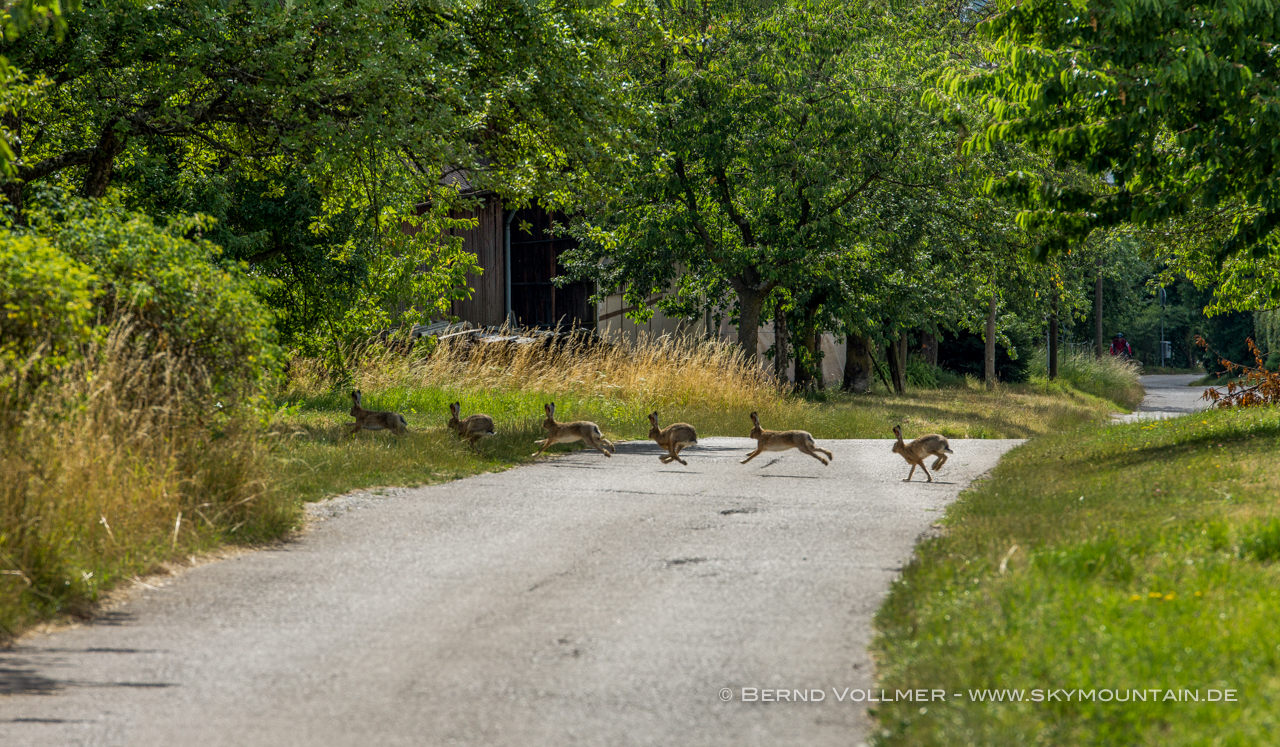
<point>1167,397</point>
<point>577,601</point>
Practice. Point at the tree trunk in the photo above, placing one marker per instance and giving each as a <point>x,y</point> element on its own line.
<point>989,359</point>
<point>1053,337</point>
<point>895,353</point>
<point>929,347</point>
<point>857,364</point>
<point>98,176</point>
<point>1097,313</point>
<point>781,345</point>
<point>750,302</point>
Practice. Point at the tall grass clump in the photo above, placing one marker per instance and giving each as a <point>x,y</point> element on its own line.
<point>119,462</point>
<point>1107,377</point>
<point>615,381</point>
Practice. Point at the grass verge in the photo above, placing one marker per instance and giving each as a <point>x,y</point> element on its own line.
<point>1145,559</point>
<point>112,471</point>
<point>706,384</point>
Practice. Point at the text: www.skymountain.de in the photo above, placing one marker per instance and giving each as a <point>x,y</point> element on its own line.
<point>1035,695</point>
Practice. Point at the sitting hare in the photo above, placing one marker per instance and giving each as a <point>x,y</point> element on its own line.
<point>783,440</point>
<point>916,451</point>
<point>567,433</point>
<point>673,438</point>
<point>472,427</point>
<point>374,421</point>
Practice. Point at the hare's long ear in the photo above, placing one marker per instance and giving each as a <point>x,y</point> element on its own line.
<point>355,397</point>
<point>455,408</point>
<point>755,419</point>
<point>551,410</point>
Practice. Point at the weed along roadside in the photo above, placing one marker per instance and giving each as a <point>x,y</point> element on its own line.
<point>1112,585</point>
<point>307,450</point>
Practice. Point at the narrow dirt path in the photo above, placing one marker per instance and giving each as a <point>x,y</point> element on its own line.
<point>581,600</point>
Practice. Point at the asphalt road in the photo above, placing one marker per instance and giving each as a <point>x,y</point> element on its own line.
<point>578,601</point>
<point>1168,396</point>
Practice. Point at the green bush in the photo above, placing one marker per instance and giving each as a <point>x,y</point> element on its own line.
<point>46,305</point>
<point>182,301</point>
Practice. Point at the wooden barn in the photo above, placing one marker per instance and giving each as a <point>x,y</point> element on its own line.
<point>520,265</point>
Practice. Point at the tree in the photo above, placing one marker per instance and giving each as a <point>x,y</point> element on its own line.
<point>339,118</point>
<point>774,132</point>
<point>1171,102</point>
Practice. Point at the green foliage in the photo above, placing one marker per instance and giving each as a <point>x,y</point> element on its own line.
<point>1106,377</point>
<point>1165,104</point>
<point>172,287</point>
<point>783,149</point>
<point>46,303</point>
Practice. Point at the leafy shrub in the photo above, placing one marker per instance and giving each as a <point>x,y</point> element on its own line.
<point>182,301</point>
<point>45,306</point>
<point>922,375</point>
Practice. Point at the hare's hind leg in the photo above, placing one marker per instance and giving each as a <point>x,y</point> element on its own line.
<point>596,443</point>
<point>753,454</point>
<point>675,456</point>
<point>941,460</point>
<point>812,451</point>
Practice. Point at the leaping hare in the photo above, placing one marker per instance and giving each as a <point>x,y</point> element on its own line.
<point>471,428</point>
<point>919,449</point>
<point>374,421</point>
<point>673,438</point>
<point>566,433</point>
<point>783,440</point>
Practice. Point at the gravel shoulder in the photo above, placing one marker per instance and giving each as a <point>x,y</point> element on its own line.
<point>581,600</point>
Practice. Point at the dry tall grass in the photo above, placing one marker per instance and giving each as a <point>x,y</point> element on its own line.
<point>113,467</point>
<point>614,380</point>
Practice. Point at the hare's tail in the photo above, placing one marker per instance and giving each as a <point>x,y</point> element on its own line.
<point>948,449</point>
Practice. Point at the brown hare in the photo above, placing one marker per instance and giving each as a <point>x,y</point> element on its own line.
<point>673,438</point>
<point>471,428</point>
<point>919,449</point>
<point>374,421</point>
<point>783,440</point>
<point>567,433</point>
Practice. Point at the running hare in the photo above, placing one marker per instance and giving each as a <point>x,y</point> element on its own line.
<point>374,421</point>
<point>567,433</point>
<point>472,427</point>
<point>783,440</point>
<point>916,451</point>
<point>673,438</point>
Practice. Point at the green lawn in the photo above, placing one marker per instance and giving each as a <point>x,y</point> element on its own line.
<point>1145,558</point>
